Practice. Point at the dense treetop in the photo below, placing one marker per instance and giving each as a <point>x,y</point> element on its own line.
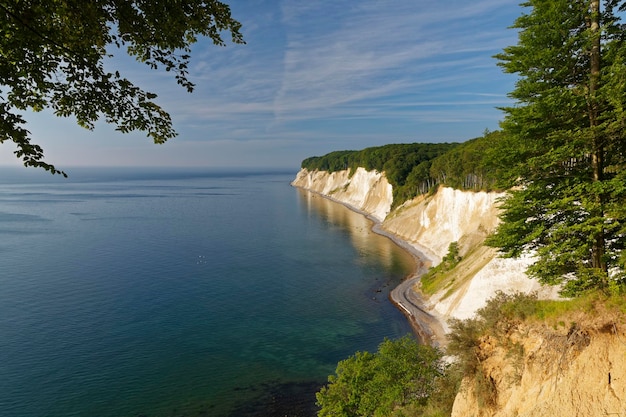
<point>566,134</point>
<point>401,375</point>
<point>416,168</point>
<point>396,160</point>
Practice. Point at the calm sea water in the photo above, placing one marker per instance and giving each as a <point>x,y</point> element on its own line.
<point>182,293</point>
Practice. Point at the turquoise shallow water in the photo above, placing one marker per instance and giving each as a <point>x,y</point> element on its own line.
<point>182,293</point>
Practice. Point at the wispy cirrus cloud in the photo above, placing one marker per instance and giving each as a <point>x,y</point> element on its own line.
<point>381,49</point>
<point>321,75</point>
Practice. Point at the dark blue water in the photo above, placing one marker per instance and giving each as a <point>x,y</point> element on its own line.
<point>182,293</point>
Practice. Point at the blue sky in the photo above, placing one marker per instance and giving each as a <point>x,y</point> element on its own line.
<point>314,77</point>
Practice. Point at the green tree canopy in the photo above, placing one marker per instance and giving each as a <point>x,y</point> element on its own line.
<point>406,165</point>
<point>566,132</point>
<point>402,372</point>
<point>52,54</point>
<point>416,168</point>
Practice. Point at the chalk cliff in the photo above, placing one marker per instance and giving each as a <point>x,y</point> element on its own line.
<point>574,368</point>
<point>429,224</point>
<point>366,191</point>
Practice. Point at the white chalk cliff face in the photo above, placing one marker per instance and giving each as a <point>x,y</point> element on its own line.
<point>430,224</point>
<point>366,191</point>
<point>559,371</point>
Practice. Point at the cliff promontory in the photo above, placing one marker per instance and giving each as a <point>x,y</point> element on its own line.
<point>575,366</point>
<point>429,223</point>
<point>366,191</point>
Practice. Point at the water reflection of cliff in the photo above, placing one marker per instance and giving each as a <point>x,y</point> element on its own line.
<point>370,246</point>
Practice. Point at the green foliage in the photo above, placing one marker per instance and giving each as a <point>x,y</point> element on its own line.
<point>331,162</point>
<point>53,55</point>
<point>402,373</point>
<point>504,311</point>
<point>554,311</point>
<point>495,319</point>
<point>565,142</point>
<point>414,169</point>
<point>452,258</point>
<point>477,164</point>
<point>406,165</point>
<point>430,280</point>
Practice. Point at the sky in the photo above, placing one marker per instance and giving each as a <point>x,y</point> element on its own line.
<point>314,77</point>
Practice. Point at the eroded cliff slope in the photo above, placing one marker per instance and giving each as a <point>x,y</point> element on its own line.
<point>429,224</point>
<point>366,191</point>
<point>574,368</point>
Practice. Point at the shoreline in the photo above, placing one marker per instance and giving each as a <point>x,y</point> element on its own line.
<point>427,327</point>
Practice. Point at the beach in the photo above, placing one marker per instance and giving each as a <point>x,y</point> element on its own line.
<point>428,328</point>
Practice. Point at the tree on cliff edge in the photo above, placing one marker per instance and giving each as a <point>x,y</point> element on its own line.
<point>52,54</point>
<point>401,373</point>
<point>567,130</point>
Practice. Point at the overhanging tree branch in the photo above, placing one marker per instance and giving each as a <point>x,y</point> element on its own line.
<point>52,56</point>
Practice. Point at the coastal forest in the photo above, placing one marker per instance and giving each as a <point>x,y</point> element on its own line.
<point>419,168</point>
<point>560,155</point>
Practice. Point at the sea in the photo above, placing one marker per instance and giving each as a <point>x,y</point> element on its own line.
<point>183,292</point>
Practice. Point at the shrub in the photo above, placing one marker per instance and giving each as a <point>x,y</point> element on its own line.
<point>401,374</point>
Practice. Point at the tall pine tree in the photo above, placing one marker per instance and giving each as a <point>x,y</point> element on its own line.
<point>567,127</point>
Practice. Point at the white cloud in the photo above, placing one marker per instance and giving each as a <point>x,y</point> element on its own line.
<point>378,50</point>
<point>340,71</point>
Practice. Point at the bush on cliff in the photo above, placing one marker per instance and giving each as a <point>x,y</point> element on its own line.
<point>401,376</point>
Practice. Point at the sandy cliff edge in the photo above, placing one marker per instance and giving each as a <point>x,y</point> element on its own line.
<point>576,368</point>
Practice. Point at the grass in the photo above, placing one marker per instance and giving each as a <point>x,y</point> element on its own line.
<point>592,304</point>
<point>442,278</point>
